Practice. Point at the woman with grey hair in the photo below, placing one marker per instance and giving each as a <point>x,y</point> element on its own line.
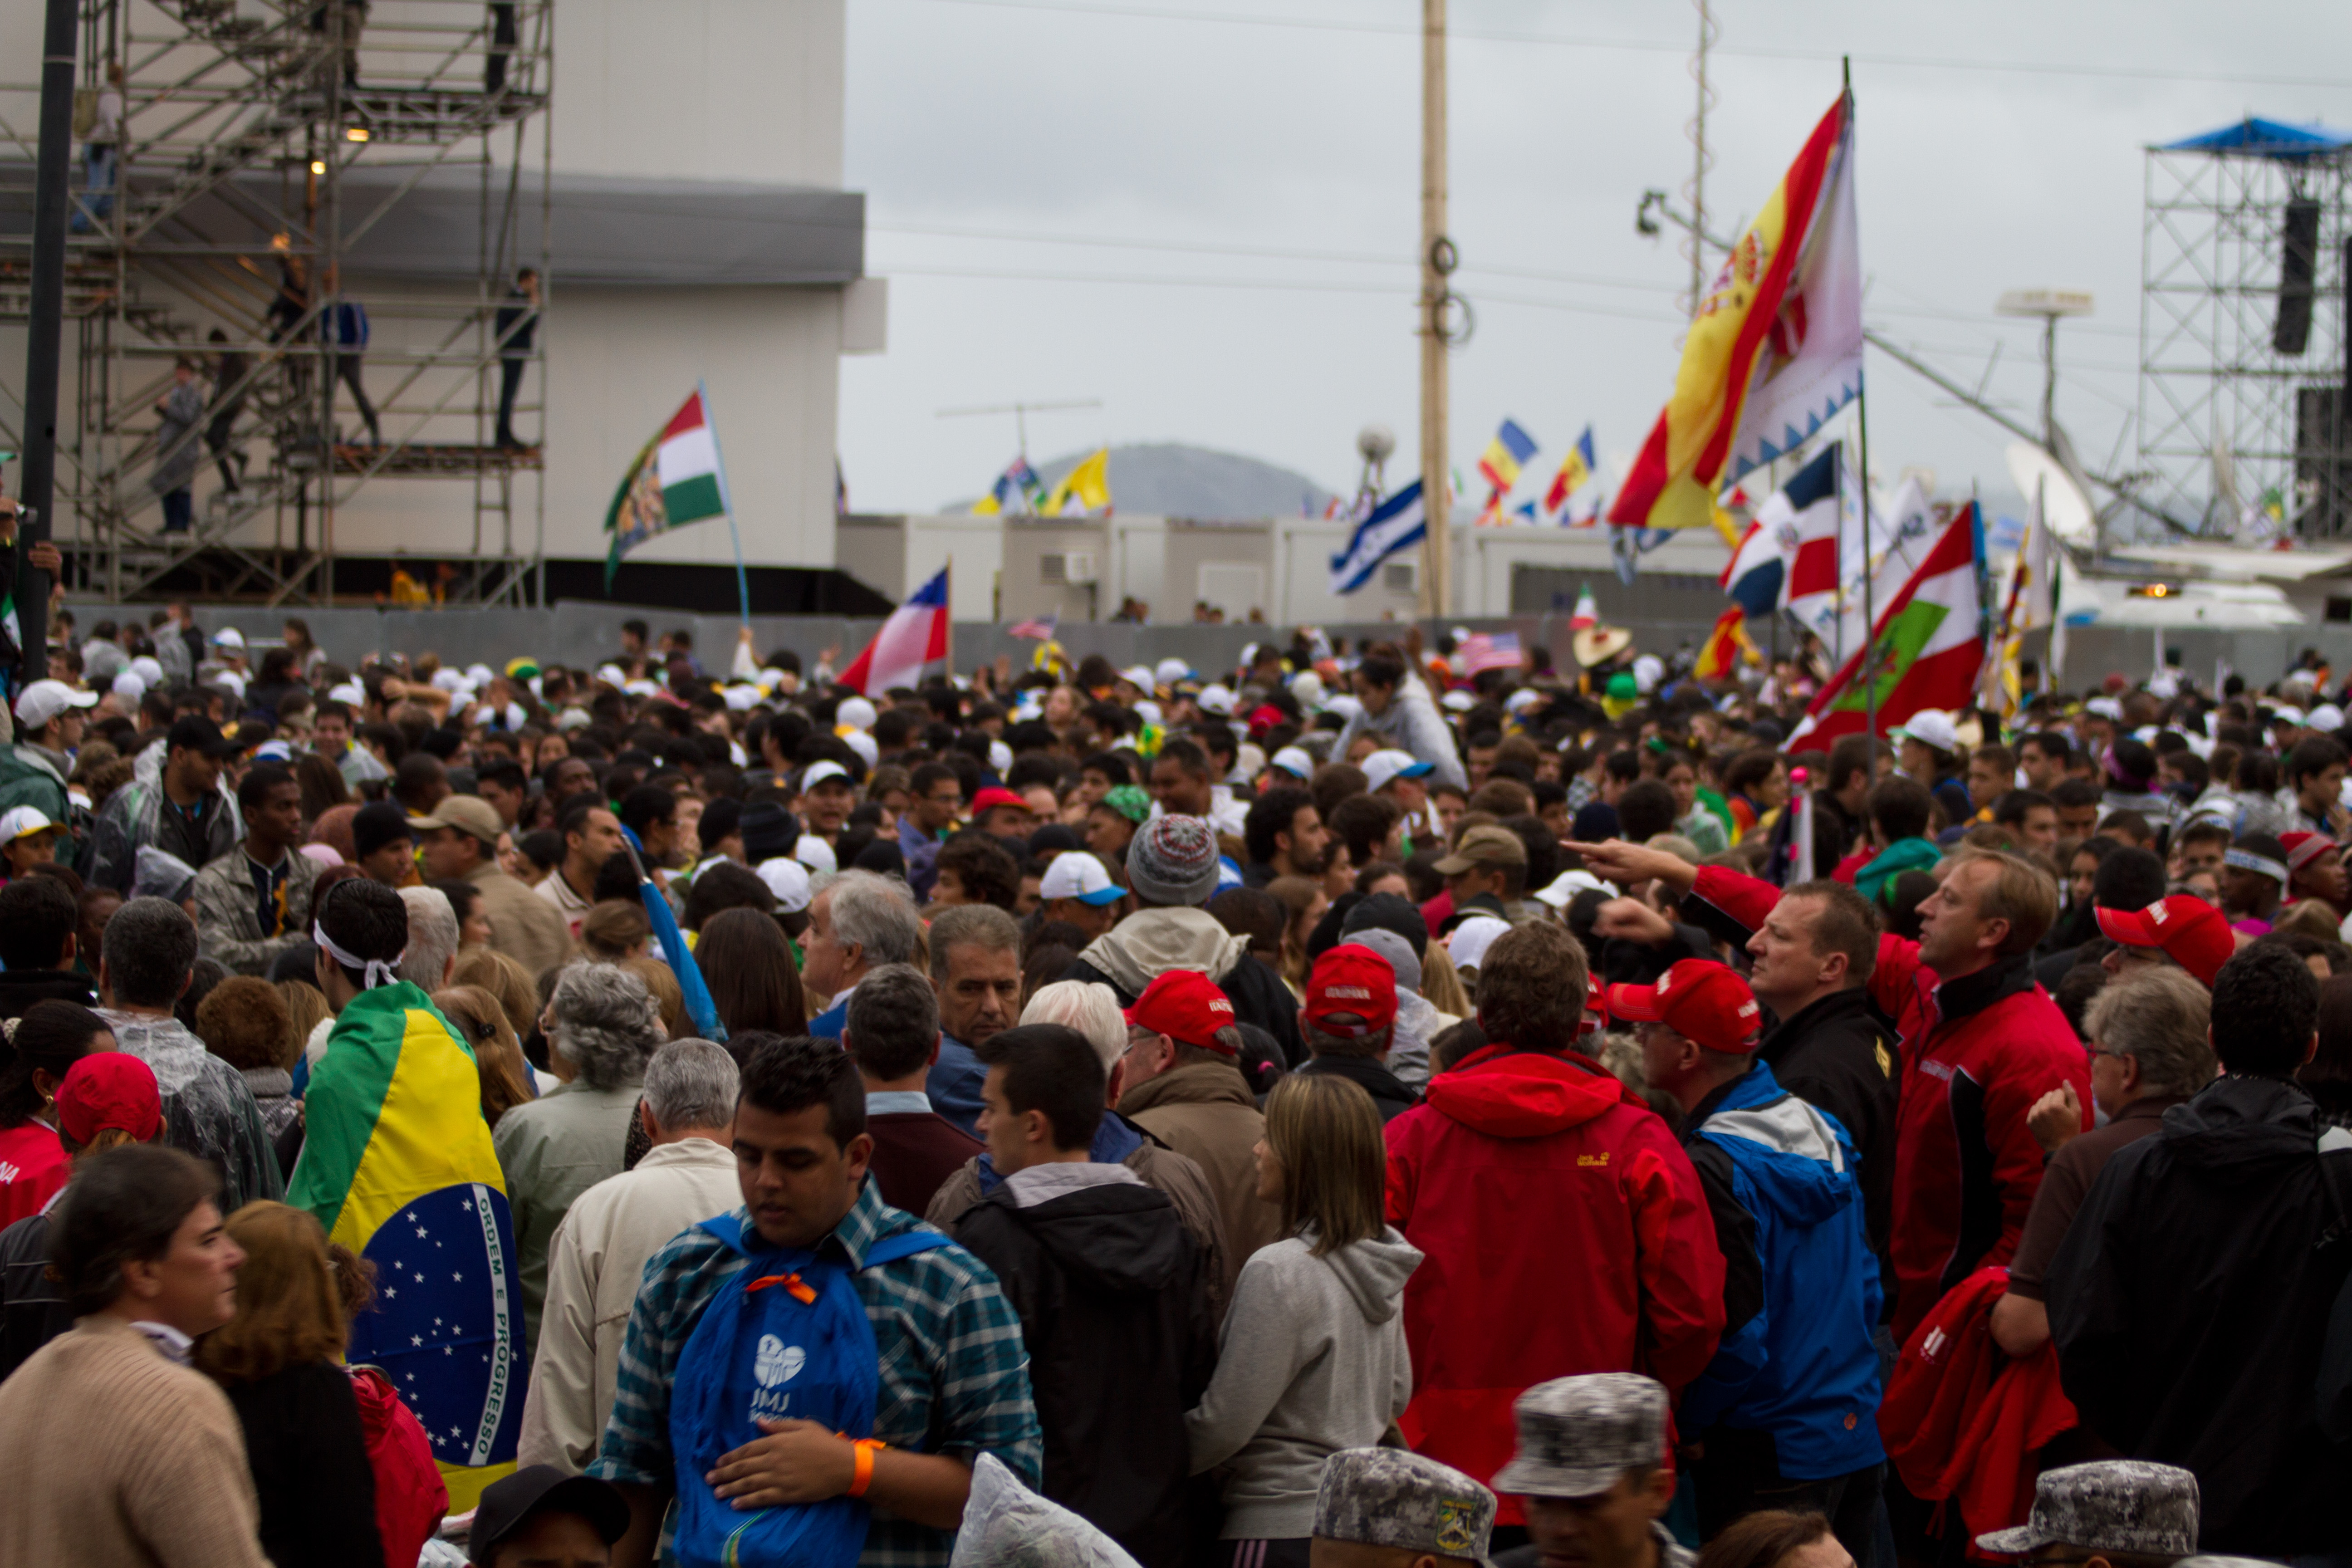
<point>602,1028</point>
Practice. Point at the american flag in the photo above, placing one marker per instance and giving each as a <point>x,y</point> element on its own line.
<point>1041,628</point>
<point>1497,650</point>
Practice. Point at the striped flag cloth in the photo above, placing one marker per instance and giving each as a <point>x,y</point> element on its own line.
<point>1484,651</point>
<point>1039,627</point>
<point>1925,652</point>
<point>1397,524</point>
<point>1574,469</point>
<point>911,643</point>
<point>1804,517</point>
<point>397,1165</point>
<point>676,479</point>
<point>1510,447</point>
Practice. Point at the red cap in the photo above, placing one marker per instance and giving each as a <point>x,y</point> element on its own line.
<point>1186,1006</point>
<point>109,1088</point>
<point>1351,981</point>
<point>989,799</point>
<point>1265,717</point>
<point>2193,933</point>
<point>1697,998</point>
<point>2303,848</point>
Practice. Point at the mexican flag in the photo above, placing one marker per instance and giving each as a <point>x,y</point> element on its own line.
<point>397,1165</point>
<point>1925,652</point>
<point>676,479</point>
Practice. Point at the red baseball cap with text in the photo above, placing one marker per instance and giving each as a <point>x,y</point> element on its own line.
<point>1697,998</point>
<point>1185,1005</point>
<point>2192,932</point>
<point>1352,983</point>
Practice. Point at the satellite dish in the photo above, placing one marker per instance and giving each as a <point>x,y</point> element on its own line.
<point>2064,506</point>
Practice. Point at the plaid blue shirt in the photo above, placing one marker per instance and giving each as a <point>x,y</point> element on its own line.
<point>955,1373</point>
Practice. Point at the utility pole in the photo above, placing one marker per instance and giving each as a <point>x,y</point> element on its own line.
<point>1437,260</point>
<point>47,304</point>
<point>1701,161</point>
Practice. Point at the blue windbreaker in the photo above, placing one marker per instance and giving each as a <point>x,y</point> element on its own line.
<point>1803,1368</point>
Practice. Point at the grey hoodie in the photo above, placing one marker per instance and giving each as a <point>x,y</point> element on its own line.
<point>1312,1359</point>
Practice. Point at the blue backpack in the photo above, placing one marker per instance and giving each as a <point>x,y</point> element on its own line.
<point>786,1339</point>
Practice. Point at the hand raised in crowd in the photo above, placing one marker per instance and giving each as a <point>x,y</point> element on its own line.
<point>1633,920</point>
<point>44,557</point>
<point>2056,1119</point>
<point>1630,864</point>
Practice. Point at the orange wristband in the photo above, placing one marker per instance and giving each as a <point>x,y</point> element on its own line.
<point>862,1476</point>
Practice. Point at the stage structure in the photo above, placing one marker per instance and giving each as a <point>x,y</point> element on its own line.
<point>263,141</point>
<point>2244,359</point>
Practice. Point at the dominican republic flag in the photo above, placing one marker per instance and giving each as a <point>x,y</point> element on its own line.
<point>1397,524</point>
<point>1757,571</point>
<point>910,645</point>
<point>676,479</point>
<point>1802,516</point>
<point>1925,652</point>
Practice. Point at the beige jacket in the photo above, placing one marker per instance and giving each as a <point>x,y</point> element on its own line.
<point>594,1266</point>
<point>1206,1113</point>
<point>524,926</point>
<point>118,1458</point>
<point>1156,1166</point>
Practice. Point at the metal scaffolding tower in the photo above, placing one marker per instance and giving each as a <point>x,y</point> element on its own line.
<point>2243,354</point>
<point>262,142</point>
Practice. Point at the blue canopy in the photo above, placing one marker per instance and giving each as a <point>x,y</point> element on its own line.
<point>2255,138</point>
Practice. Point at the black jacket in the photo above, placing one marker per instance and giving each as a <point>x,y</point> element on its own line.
<point>1840,1055</point>
<point>2189,1302</point>
<point>1390,1097</point>
<point>1114,1305</point>
<point>33,1310</point>
<point>309,1453</point>
<point>20,988</point>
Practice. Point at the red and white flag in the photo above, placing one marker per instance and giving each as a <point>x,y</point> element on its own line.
<point>912,644</point>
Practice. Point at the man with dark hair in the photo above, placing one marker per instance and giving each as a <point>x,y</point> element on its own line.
<point>187,812</point>
<point>934,797</point>
<point>975,867</point>
<point>892,1033</point>
<point>1365,826</point>
<point>650,812</point>
<point>592,835</point>
<point>1495,1178</point>
<point>2314,773</point>
<point>1284,835</point>
<point>461,842</point>
<point>1112,1294</point>
<point>148,962</point>
<point>953,1368</point>
<point>507,787</point>
<point>1981,1043</point>
<point>2077,801</point>
<point>2032,816</point>
<point>2042,758</point>
<point>253,906</point>
<point>117,1449</point>
<point>1646,810</point>
<point>38,944</point>
<point>1397,711</point>
<point>1183,783</point>
<point>2190,1298</point>
<point>2253,879</point>
<point>1901,811</point>
<point>2198,847</point>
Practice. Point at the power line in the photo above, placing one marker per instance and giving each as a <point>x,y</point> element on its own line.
<point>1644,45</point>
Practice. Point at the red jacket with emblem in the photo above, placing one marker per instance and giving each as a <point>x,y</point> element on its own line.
<point>1977,1053</point>
<point>1563,1231</point>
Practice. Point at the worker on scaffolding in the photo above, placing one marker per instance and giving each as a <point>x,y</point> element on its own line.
<point>518,319</point>
<point>177,455</point>
<point>344,326</point>
<point>288,306</point>
<point>100,151</point>
<point>229,366</point>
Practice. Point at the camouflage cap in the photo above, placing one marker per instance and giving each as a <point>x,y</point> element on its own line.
<point>1389,1497</point>
<point>1579,1435</point>
<point>2116,1505</point>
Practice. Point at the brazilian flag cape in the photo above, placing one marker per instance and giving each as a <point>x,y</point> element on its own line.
<point>397,1165</point>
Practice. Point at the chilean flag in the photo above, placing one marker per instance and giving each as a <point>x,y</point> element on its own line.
<point>910,642</point>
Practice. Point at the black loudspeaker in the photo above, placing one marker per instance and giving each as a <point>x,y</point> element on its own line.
<point>2296,264</point>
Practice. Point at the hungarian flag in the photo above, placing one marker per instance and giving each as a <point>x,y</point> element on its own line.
<point>1925,652</point>
<point>912,643</point>
<point>1774,348</point>
<point>1718,657</point>
<point>676,479</point>
<point>397,1165</point>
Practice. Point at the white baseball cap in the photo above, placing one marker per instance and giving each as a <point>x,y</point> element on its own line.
<point>1457,701</point>
<point>788,879</point>
<point>855,712</point>
<point>1468,944</point>
<point>1386,765</point>
<point>149,669</point>
<point>129,685</point>
<point>1217,699</point>
<point>1139,676</point>
<point>228,636</point>
<point>1567,884</point>
<point>1075,874</point>
<point>868,750</point>
<point>1169,671</point>
<point>816,854</point>
<point>43,700</point>
<point>1295,761</point>
<point>18,821</point>
<point>1930,727</point>
<point>820,772</point>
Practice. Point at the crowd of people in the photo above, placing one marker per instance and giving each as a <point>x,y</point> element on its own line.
<point>1345,1109</point>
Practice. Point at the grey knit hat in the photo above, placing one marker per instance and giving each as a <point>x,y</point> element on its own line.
<point>1173,860</point>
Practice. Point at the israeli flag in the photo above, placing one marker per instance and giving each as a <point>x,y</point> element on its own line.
<point>1397,524</point>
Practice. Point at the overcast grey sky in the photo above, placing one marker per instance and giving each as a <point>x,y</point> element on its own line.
<point>1204,212</point>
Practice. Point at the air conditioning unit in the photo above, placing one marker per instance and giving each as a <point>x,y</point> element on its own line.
<point>1079,566</point>
<point>1055,568</point>
<point>1402,577</point>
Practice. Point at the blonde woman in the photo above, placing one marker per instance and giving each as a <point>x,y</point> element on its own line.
<point>1312,1359</point>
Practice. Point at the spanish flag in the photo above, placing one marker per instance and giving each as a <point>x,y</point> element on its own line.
<point>1718,657</point>
<point>397,1165</point>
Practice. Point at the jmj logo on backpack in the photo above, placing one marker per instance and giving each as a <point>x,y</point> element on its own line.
<point>777,1362</point>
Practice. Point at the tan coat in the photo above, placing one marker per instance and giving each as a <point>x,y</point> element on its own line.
<point>1158,1166</point>
<point>524,926</point>
<point>1206,1112</point>
<point>118,1458</point>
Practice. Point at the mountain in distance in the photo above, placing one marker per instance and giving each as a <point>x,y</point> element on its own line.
<point>1171,480</point>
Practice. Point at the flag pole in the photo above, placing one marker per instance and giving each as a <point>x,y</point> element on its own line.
<point>727,499</point>
<point>1862,434</point>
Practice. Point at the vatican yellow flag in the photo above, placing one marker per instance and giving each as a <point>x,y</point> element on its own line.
<point>1088,484</point>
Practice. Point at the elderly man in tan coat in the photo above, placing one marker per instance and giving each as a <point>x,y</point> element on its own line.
<point>598,1254</point>
<point>460,841</point>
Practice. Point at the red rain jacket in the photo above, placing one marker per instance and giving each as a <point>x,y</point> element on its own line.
<point>1563,1231</point>
<point>410,1497</point>
<point>1977,1054</point>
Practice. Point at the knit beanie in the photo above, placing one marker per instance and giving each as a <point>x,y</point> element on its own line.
<point>1173,860</point>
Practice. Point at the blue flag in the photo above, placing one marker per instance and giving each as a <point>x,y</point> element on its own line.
<point>1397,524</point>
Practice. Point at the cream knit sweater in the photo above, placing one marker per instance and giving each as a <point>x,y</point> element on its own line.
<point>117,1457</point>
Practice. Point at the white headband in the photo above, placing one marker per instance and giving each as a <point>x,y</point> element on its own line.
<point>376,971</point>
